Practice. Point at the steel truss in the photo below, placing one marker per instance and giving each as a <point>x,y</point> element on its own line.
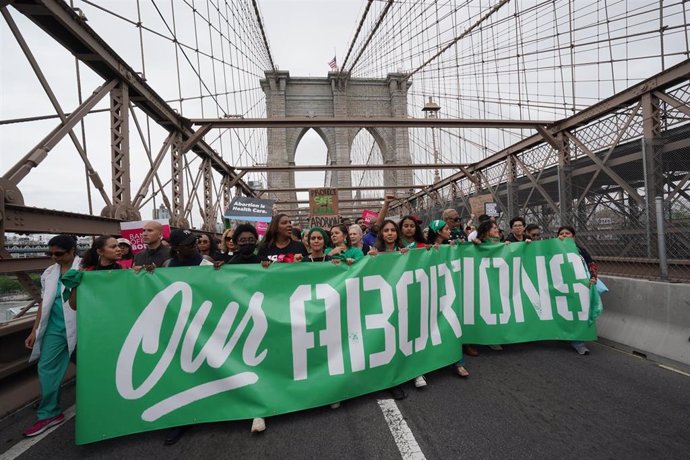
<point>604,171</point>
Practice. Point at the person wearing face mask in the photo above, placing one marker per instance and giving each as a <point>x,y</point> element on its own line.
<point>244,238</point>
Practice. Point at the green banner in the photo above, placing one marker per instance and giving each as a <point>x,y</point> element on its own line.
<point>191,345</point>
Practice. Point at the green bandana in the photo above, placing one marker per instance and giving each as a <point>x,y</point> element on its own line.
<point>437,225</point>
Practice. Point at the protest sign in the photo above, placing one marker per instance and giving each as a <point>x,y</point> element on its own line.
<point>323,207</point>
<point>491,209</point>
<point>175,347</point>
<point>477,203</point>
<point>369,216</point>
<point>250,209</point>
<point>134,230</point>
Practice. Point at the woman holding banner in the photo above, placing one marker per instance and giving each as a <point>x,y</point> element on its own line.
<point>104,254</point>
<point>317,239</point>
<point>226,246</point>
<point>278,245</point>
<point>342,249</point>
<point>207,246</point>
<point>438,233</point>
<point>388,239</point>
<point>411,231</point>
<point>355,232</point>
<point>569,232</point>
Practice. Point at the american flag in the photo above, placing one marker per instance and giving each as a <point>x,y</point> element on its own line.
<point>333,64</point>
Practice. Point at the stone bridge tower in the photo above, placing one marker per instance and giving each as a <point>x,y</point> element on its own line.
<point>335,96</point>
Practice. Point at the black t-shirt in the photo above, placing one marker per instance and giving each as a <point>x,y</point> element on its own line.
<point>286,254</point>
<point>513,239</point>
<point>238,259</point>
<point>152,256</point>
<point>113,266</point>
<point>456,234</point>
<point>224,256</point>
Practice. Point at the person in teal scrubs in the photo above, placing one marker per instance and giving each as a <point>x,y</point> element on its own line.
<point>53,337</point>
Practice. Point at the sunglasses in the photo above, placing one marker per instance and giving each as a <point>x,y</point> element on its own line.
<point>457,219</point>
<point>56,253</point>
<point>228,238</point>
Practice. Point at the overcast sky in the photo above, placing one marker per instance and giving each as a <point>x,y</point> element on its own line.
<point>303,35</point>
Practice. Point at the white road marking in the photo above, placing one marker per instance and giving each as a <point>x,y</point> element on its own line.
<point>27,443</point>
<point>673,369</point>
<point>403,437</point>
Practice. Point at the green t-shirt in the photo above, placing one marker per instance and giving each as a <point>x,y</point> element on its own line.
<point>355,254</point>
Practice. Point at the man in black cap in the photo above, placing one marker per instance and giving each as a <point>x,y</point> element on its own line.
<point>184,250</point>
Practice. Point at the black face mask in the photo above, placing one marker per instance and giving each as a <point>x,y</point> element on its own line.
<point>246,249</point>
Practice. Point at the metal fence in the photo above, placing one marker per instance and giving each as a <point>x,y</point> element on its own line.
<point>622,180</point>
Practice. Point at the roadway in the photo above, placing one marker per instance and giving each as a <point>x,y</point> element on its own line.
<point>537,400</point>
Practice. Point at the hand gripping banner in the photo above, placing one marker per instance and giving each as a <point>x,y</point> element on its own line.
<point>194,344</point>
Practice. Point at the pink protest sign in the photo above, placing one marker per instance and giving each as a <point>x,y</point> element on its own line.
<point>134,230</point>
<point>261,228</point>
<point>369,216</point>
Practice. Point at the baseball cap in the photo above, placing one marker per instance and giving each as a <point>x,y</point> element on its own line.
<point>181,237</point>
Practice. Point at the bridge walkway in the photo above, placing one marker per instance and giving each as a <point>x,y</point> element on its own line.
<point>535,400</point>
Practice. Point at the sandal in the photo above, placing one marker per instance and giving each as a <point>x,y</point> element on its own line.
<point>461,371</point>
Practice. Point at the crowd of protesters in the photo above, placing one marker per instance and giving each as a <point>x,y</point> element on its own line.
<point>53,336</point>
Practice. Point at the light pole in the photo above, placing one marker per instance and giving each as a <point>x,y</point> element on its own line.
<point>430,110</point>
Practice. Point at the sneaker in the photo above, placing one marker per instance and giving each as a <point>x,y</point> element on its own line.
<point>335,405</point>
<point>496,347</point>
<point>397,392</point>
<point>258,425</point>
<point>580,348</point>
<point>420,382</point>
<point>42,425</point>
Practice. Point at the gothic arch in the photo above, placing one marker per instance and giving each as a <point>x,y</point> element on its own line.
<point>295,135</point>
<point>335,96</point>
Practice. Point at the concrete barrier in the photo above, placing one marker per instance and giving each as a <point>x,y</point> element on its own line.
<point>648,317</point>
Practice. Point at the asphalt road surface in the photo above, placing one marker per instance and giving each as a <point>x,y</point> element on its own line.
<point>537,400</point>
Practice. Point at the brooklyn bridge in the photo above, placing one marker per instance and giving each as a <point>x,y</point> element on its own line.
<point>564,113</point>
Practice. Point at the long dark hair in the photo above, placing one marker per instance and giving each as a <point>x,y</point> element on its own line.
<point>431,236</point>
<point>380,244</point>
<point>418,236</point>
<point>91,257</point>
<point>272,231</point>
<point>484,228</point>
<point>212,244</point>
<point>343,228</point>
<point>566,227</point>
